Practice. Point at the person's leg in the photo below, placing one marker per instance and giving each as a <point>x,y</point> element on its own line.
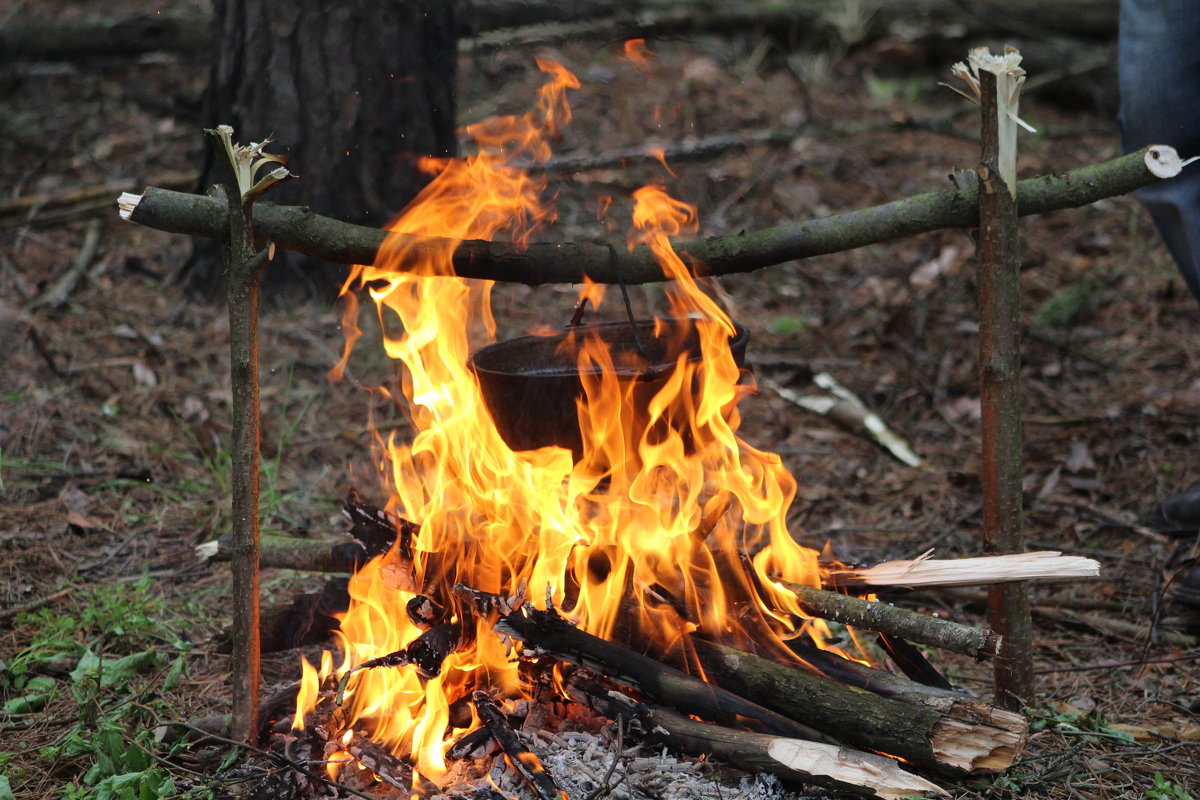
<point>1159,66</point>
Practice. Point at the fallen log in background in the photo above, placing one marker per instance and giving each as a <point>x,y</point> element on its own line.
<point>296,228</point>
<point>949,734</point>
<point>797,760</point>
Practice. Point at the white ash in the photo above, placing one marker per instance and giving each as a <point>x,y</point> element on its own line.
<point>579,761</point>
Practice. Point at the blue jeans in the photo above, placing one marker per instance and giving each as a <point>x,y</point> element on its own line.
<point>1159,67</point>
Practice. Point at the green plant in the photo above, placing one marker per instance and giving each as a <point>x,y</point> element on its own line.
<point>1167,790</point>
<point>1078,723</point>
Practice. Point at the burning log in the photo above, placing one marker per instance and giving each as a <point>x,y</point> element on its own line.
<point>520,757</point>
<point>296,228</point>
<point>983,570</point>
<point>942,732</point>
<point>387,767</point>
<point>797,760</point>
<point>547,633</point>
<point>895,621</point>
<point>378,530</point>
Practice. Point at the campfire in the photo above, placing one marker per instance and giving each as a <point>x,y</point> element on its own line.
<point>577,533</point>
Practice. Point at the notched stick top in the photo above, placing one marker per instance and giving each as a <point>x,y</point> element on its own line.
<point>247,160</point>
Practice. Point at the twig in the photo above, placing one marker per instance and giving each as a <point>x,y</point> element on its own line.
<point>9,613</point>
<point>1133,662</point>
<point>604,789</point>
<point>58,294</point>
<point>284,760</point>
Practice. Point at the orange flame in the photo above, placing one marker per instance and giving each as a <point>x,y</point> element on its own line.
<point>637,52</point>
<point>637,537</point>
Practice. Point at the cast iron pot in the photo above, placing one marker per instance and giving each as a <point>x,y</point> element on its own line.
<point>531,384</point>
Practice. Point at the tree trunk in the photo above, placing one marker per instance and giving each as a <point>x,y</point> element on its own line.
<point>355,92</point>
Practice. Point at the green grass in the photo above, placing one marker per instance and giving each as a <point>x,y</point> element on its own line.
<point>127,648</point>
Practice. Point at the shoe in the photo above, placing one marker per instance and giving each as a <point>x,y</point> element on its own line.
<point>1187,589</point>
<point>1178,515</point>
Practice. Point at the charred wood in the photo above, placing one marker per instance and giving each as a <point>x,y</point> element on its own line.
<point>479,743</point>
<point>545,633</point>
<point>519,757</point>
<point>424,612</point>
<point>378,530</point>
<point>389,769</point>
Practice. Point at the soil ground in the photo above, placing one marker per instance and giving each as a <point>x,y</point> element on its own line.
<point>114,413</point>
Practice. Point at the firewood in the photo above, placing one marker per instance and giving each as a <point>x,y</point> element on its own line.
<point>896,621</point>
<point>796,760</point>
<point>378,530</point>
<point>519,757</point>
<point>424,612</point>
<point>289,552</point>
<point>479,743</point>
<point>387,767</point>
<point>925,571</point>
<point>947,734</point>
<point>545,633</point>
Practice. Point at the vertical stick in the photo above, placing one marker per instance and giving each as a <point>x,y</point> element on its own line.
<point>237,167</point>
<point>1000,393</point>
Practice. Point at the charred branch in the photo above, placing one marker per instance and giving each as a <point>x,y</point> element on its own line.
<point>424,612</point>
<point>387,767</point>
<point>378,530</point>
<point>298,229</point>
<point>519,757</point>
<point>896,621</point>
<point>545,633</point>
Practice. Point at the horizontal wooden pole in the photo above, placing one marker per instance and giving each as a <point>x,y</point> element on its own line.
<point>296,228</point>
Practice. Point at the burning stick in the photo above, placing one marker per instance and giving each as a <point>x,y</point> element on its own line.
<point>895,621</point>
<point>520,757</point>
<point>943,732</point>
<point>546,633</point>
<point>984,570</point>
<point>816,763</point>
<point>391,770</point>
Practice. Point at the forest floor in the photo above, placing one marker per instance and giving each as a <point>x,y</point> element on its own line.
<point>114,409</point>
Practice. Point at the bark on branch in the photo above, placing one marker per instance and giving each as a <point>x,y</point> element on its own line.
<point>896,621</point>
<point>297,228</point>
